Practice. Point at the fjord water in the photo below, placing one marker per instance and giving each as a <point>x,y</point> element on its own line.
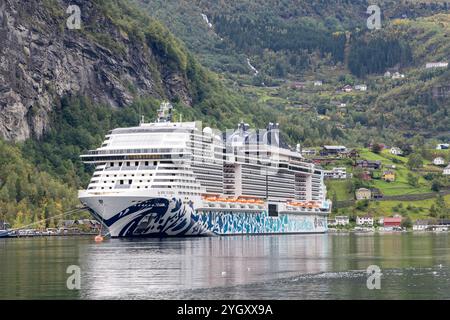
<point>333,266</point>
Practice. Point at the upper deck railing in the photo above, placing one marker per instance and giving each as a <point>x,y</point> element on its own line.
<point>132,151</point>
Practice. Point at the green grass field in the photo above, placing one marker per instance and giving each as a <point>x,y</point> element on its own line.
<point>400,185</point>
<point>413,209</point>
<point>419,209</point>
<point>340,188</point>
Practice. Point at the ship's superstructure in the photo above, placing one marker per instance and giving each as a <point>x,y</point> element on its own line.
<point>175,178</point>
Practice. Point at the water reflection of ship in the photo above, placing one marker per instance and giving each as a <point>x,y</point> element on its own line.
<point>131,268</point>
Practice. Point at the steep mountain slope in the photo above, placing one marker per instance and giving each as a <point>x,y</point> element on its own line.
<point>116,56</point>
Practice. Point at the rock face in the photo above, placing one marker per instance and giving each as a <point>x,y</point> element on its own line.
<point>42,60</point>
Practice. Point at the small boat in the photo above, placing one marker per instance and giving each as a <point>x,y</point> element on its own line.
<point>5,234</point>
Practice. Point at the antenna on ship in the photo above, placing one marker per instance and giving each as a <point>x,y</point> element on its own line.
<point>141,115</point>
<point>165,112</point>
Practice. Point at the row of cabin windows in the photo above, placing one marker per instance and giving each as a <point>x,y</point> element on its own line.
<point>132,175</point>
<point>106,181</point>
<point>183,193</point>
<point>130,181</point>
<point>136,164</point>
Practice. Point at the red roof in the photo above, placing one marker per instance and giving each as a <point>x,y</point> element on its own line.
<point>392,222</point>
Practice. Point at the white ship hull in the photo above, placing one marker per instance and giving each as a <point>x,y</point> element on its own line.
<point>140,216</point>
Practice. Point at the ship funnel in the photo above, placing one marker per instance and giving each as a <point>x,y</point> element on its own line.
<point>243,127</point>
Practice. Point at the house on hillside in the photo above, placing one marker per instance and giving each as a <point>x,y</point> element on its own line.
<point>336,173</point>
<point>422,225</point>
<point>318,83</point>
<point>392,222</point>
<point>308,152</point>
<point>443,146</point>
<point>368,164</point>
<point>441,64</point>
<point>446,171</point>
<point>332,150</point>
<point>89,225</point>
<point>440,225</point>
<point>347,88</point>
<point>296,85</point>
<point>439,161</point>
<point>397,75</point>
<point>366,220</point>
<point>396,151</point>
<point>388,176</point>
<point>361,87</point>
<point>342,220</point>
<point>363,193</point>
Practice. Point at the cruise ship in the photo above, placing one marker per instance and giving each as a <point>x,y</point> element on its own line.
<point>169,178</point>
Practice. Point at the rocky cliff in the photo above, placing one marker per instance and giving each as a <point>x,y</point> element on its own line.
<point>42,60</point>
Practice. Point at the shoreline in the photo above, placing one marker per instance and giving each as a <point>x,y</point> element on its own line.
<point>330,231</point>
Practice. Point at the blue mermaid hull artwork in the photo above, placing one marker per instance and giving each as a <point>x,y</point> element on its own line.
<point>163,217</point>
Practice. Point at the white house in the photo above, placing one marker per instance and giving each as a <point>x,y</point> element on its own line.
<point>439,161</point>
<point>443,146</point>
<point>447,170</point>
<point>318,83</point>
<point>398,75</point>
<point>342,220</point>
<point>387,74</point>
<point>361,87</point>
<point>347,88</point>
<point>336,173</point>
<point>365,220</point>
<point>396,151</point>
<point>309,152</point>
<point>421,225</point>
<point>430,65</point>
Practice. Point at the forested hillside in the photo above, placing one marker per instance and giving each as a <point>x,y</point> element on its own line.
<point>286,38</point>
